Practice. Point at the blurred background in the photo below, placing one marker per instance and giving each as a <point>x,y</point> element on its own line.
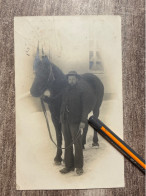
<point>81,43</point>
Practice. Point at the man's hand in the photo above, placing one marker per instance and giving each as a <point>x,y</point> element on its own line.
<point>81,131</point>
<point>82,125</point>
<point>47,93</point>
<point>46,97</point>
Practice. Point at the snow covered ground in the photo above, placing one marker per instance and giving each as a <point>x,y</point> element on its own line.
<point>35,169</point>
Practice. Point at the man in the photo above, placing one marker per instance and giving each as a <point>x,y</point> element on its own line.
<point>73,117</point>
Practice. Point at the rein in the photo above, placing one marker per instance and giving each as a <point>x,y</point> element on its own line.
<point>45,114</point>
<point>50,135</point>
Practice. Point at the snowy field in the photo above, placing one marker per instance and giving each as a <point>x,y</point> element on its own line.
<point>35,169</point>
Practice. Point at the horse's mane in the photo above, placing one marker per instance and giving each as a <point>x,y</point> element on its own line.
<point>60,81</point>
<point>59,75</point>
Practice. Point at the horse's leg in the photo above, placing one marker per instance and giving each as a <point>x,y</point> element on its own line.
<point>96,111</point>
<point>95,135</point>
<point>54,110</point>
<point>84,135</point>
<point>57,126</point>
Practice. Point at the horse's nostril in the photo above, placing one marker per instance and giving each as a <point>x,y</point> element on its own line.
<point>36,91</point>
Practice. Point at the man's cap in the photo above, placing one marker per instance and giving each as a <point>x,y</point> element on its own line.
<point>72,73</point>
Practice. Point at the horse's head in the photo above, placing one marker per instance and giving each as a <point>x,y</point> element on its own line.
<point>43,75</point>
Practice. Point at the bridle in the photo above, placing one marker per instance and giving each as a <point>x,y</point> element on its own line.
<point>51,74</point>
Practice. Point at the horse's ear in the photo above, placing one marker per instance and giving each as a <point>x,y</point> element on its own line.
<point>37,60</point>
<point>43,54</point>
<point>45,62</point>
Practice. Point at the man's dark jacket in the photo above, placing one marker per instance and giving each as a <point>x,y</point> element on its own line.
<point>76,102</point>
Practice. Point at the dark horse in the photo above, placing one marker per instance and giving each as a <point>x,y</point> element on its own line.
<point>49,77</point>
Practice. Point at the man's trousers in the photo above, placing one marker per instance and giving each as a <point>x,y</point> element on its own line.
<point>72,135</point>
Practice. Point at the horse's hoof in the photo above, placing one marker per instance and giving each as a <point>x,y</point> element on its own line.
<point>79,171</point>
<point>57,161</point>
<point>95,145</point>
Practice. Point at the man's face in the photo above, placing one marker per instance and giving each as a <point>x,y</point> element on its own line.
<point>72,80</point>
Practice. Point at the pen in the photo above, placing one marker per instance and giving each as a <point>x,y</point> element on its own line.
<point>109,135</point>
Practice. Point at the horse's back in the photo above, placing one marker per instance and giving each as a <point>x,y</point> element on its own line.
<point>94,82</point>
<point>94,88</point>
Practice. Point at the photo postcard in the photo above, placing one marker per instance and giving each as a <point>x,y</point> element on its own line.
<point>67,68</point>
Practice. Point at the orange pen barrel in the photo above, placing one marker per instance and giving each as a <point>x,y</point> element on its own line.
<point>109,135</point>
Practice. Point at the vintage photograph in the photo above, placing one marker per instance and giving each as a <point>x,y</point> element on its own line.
<point>67,68</point>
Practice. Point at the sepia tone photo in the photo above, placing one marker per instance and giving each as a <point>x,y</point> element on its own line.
<point>67,68</point>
